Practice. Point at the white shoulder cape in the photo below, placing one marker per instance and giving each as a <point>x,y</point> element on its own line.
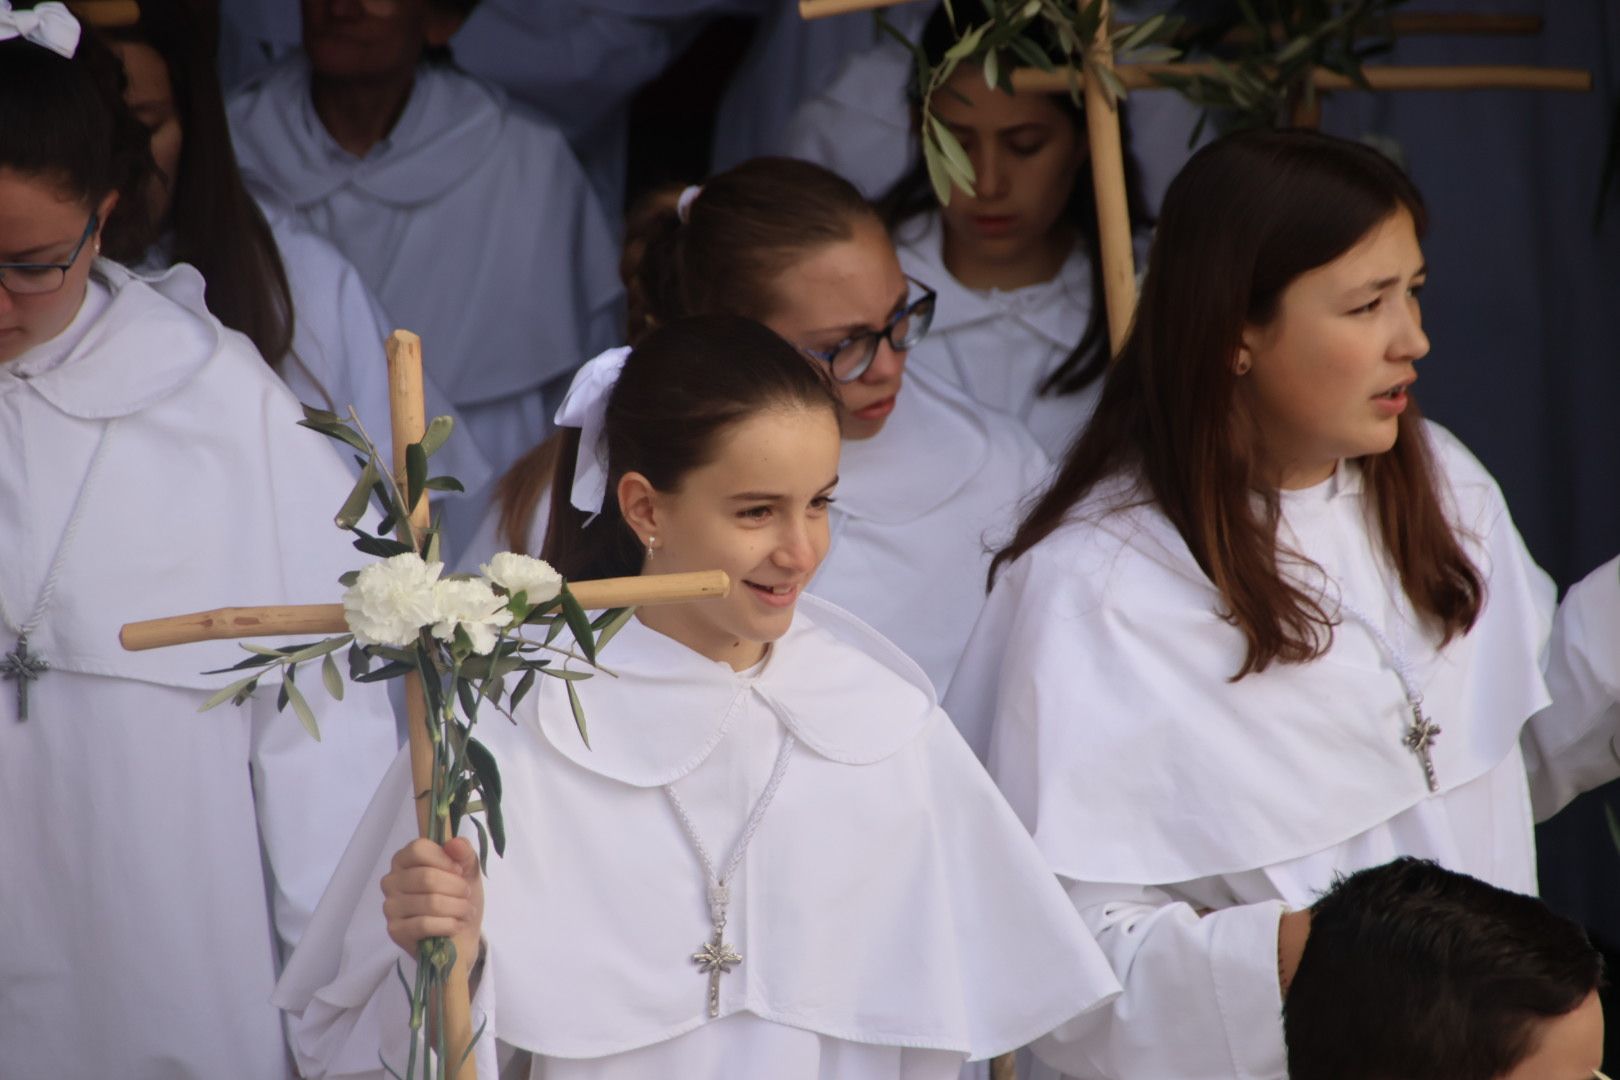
<point>1103,646</point>
<point>889,897</point>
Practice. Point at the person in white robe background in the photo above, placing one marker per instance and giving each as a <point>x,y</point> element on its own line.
<point>892,917</point>
<point>157,860</point>
<point>930,480</point>
<point>470,219</point>
<point>266,276</point>
<point>1267,626</point>
<point>1022,326</point>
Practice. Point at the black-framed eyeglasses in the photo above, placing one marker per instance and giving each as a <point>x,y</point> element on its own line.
<point>35,279</point>
<point>850,358</point>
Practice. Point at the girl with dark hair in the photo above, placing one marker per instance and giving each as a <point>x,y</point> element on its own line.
<point>926,473</point>
<point>768,781</point>
<point>1022,326</point>
<point>1268,626</point>
<point>149,463</point>
<point>299,301</point>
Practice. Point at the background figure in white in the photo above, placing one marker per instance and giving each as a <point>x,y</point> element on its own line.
<point>158,859</point>
<point>262,281</point>
<point>892,917</point>
<point>1371,588</point>
<point>1022,327</point>
<point>470,220</point>
<point>930,480</point>
<point>861,125</point>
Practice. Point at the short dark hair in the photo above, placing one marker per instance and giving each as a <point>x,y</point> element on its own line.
<point>1413,972</point>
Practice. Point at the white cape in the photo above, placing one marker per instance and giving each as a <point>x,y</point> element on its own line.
<point>152,846</point>
<point>889,898</point>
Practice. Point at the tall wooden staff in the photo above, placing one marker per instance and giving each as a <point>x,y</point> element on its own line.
<point>409,423</point>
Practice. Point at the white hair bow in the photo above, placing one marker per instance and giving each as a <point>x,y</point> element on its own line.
<point>50,25</point>
<point>585,407</point>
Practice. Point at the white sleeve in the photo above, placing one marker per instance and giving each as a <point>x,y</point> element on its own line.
<point>1569,746</point>
<point>1201,1000</point>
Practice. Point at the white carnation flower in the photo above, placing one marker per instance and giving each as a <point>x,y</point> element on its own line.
<point>392,600</point>
<point>473,606</point>
<point>515,573</point>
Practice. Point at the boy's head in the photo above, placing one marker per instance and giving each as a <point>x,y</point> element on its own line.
<point>1413,972</point>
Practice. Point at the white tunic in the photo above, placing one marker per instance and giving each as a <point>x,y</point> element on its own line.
<point>893,917</point>
<point>1159,790</point>
<point>471,222</point>
<point>998,346</point>
<point>141,930</point>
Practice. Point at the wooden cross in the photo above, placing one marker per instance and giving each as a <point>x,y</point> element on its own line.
<point>1107,156</point>
<point>409,423</point>
<point>25,667</point>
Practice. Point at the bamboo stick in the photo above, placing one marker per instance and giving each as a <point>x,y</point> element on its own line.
<point>1108,183</point>
<point>222,624</point>
<point>821,9</point>
<point>1471,77</point>
<point>408,408</point>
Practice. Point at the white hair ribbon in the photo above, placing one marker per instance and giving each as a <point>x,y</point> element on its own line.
<point>50,25</point>
<point>683,205</point>
<point>585,407</point>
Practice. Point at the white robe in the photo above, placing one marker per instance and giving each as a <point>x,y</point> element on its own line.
<point>998,346</point>
<point>158,859</point>
<point>919,508</point>
<point>1158,790</point>
<point>473,224</point>
<point>893,917</point>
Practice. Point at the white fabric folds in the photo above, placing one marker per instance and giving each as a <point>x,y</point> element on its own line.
<point>889,898</point>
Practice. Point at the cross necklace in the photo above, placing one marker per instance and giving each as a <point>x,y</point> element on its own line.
<point>1420,733</point>
<point>20,665</point>
<point>716,957</point>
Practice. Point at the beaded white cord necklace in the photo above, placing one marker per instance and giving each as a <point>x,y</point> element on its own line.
<point>1420,733</point>
<point>20,665</point>
<point>715,957</point>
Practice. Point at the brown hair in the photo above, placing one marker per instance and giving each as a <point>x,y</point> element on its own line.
<point>745,227</point>
<point>682,386</point>
<point>218,227</point>
<point>1246,216</point>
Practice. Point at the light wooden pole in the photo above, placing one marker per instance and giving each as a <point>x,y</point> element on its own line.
<point>1108,185</point>
<point>409,422</point>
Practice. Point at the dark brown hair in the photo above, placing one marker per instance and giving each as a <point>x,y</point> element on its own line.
<point>65,121</point>
<point>1250,213</point>
<point>747,225</point>
<point>913,194</point>
<point>217,226</point>
<point>682,386</point>
<point>1412,971</point>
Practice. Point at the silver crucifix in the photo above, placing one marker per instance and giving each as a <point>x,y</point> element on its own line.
<point>716,958</point>
<point>24,667</point>
<point>1419,739</point>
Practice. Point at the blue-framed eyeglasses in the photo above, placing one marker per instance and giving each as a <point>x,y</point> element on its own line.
<point>34,279</point>
<point>850,358</point>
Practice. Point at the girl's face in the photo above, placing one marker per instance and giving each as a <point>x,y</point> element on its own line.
<point>836,291</point>
<point>1328,374</point>
<point>41,223</point>
<point>150,96</point>
<point>758,511</point>
<point>1026,152</point>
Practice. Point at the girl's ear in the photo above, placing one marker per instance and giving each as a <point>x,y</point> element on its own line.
<point>638,505</point>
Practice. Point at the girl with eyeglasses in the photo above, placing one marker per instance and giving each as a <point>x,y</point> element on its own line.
<point>1022,326</point>
<point>928,478</point>
<point>156,860</point>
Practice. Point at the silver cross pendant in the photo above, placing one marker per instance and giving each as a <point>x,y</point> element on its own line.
<point>1420,739</point>
<point>24,667</point>
<point>715,959</point>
